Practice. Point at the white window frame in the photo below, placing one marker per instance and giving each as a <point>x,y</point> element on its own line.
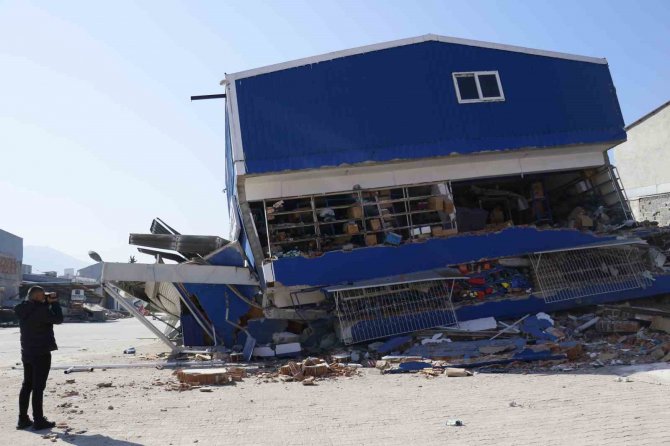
<point>476,74</point>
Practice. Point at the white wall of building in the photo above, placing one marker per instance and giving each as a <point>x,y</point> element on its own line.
<point>11,256</point>
<point>644,166</point>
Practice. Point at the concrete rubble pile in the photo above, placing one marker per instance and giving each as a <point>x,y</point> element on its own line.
<point>594,337</point>
<point>308,372</point>
<point>609,336</point>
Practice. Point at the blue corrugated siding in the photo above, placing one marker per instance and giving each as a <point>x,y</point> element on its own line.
<point>339,267</point>
<point>400,103</point>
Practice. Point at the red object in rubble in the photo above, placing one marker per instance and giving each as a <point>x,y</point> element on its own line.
<point>477,281</point>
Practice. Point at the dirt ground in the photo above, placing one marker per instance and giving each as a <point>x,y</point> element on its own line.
<point>502,409</point>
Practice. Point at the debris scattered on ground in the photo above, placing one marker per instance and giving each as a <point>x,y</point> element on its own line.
<point>590,337</point>
<point>309,381</point>
<point>77,369</point>
<point>213,376</point>
<point>452,372</point>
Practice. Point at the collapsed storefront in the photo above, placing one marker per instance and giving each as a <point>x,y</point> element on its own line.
<point>473,188</point>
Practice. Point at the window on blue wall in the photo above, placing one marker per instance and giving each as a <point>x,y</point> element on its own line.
<point>478,86</point>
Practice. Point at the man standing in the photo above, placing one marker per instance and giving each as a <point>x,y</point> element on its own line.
<point>37,315</point>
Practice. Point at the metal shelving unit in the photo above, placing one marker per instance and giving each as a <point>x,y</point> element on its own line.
<point>392,217</point>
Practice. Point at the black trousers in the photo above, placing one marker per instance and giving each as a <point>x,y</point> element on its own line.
<point>35,373</point>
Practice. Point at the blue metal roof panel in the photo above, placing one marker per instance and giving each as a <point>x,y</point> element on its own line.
<point>400,103</point>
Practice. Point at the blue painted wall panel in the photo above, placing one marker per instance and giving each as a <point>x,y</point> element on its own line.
<point>213,299</point>
<point>400,103</point>
<point>339,267</point>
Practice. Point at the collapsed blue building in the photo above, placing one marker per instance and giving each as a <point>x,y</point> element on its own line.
<point>417,183</point>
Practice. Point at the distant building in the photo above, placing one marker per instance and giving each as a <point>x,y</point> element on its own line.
<point>68,273</point>
<point>26,269</point>
<point>93,274</point>
<point>644,165</point>
<point>11,256</point>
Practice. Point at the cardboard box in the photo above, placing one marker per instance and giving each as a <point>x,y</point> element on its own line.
<point>436,203</point>
<point>449,232</point>
<point>585,221</point>
<point>375,224</point>
<point>351,228</point>
<point>441,203</point>
<point>448,206</point>
<point>437,231</point>
<point>660,323</point>
<point>371,240</point>
<point>355,212</point>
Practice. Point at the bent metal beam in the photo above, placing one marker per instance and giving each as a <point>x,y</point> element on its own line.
<point>180,273</point>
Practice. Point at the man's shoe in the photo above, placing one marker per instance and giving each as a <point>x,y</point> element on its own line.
<point>43,423</point>
<point>24,423</point>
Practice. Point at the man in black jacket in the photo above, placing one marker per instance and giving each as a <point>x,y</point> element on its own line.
<point>37,316</point>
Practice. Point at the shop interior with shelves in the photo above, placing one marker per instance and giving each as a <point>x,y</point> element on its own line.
<point>583,199</point>
<point>312,225</point>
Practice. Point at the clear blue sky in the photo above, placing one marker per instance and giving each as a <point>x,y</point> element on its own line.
<point>97,134</point>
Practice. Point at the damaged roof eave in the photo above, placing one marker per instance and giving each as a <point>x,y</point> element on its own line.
<point>605,145</point>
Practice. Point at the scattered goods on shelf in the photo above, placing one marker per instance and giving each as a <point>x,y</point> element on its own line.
<point>314,224</point>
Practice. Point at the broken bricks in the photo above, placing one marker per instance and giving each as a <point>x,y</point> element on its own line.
<point>213,376</point>
<point>315,368</point>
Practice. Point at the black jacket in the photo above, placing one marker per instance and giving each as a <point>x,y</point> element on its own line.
<point>37,326</point>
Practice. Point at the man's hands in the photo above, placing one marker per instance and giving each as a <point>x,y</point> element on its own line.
<point>51,297</point>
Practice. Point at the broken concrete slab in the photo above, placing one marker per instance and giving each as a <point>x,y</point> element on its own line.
<point>485,323</point>
<point>292,349</point>
<point>456,372</point>
<point>263,352</point>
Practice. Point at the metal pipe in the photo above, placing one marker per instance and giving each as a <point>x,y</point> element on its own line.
<point>504,330</point>
<point>161,364</point>
<point>132,310</point>
<point>208,96</point>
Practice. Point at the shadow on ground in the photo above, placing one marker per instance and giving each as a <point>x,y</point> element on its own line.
<point>90,440</point>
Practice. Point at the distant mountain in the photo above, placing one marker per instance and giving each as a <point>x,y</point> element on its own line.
<point>43,258</point>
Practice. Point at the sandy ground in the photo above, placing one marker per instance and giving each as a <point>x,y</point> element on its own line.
<point>86,342</point>
<point>500,409</point>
